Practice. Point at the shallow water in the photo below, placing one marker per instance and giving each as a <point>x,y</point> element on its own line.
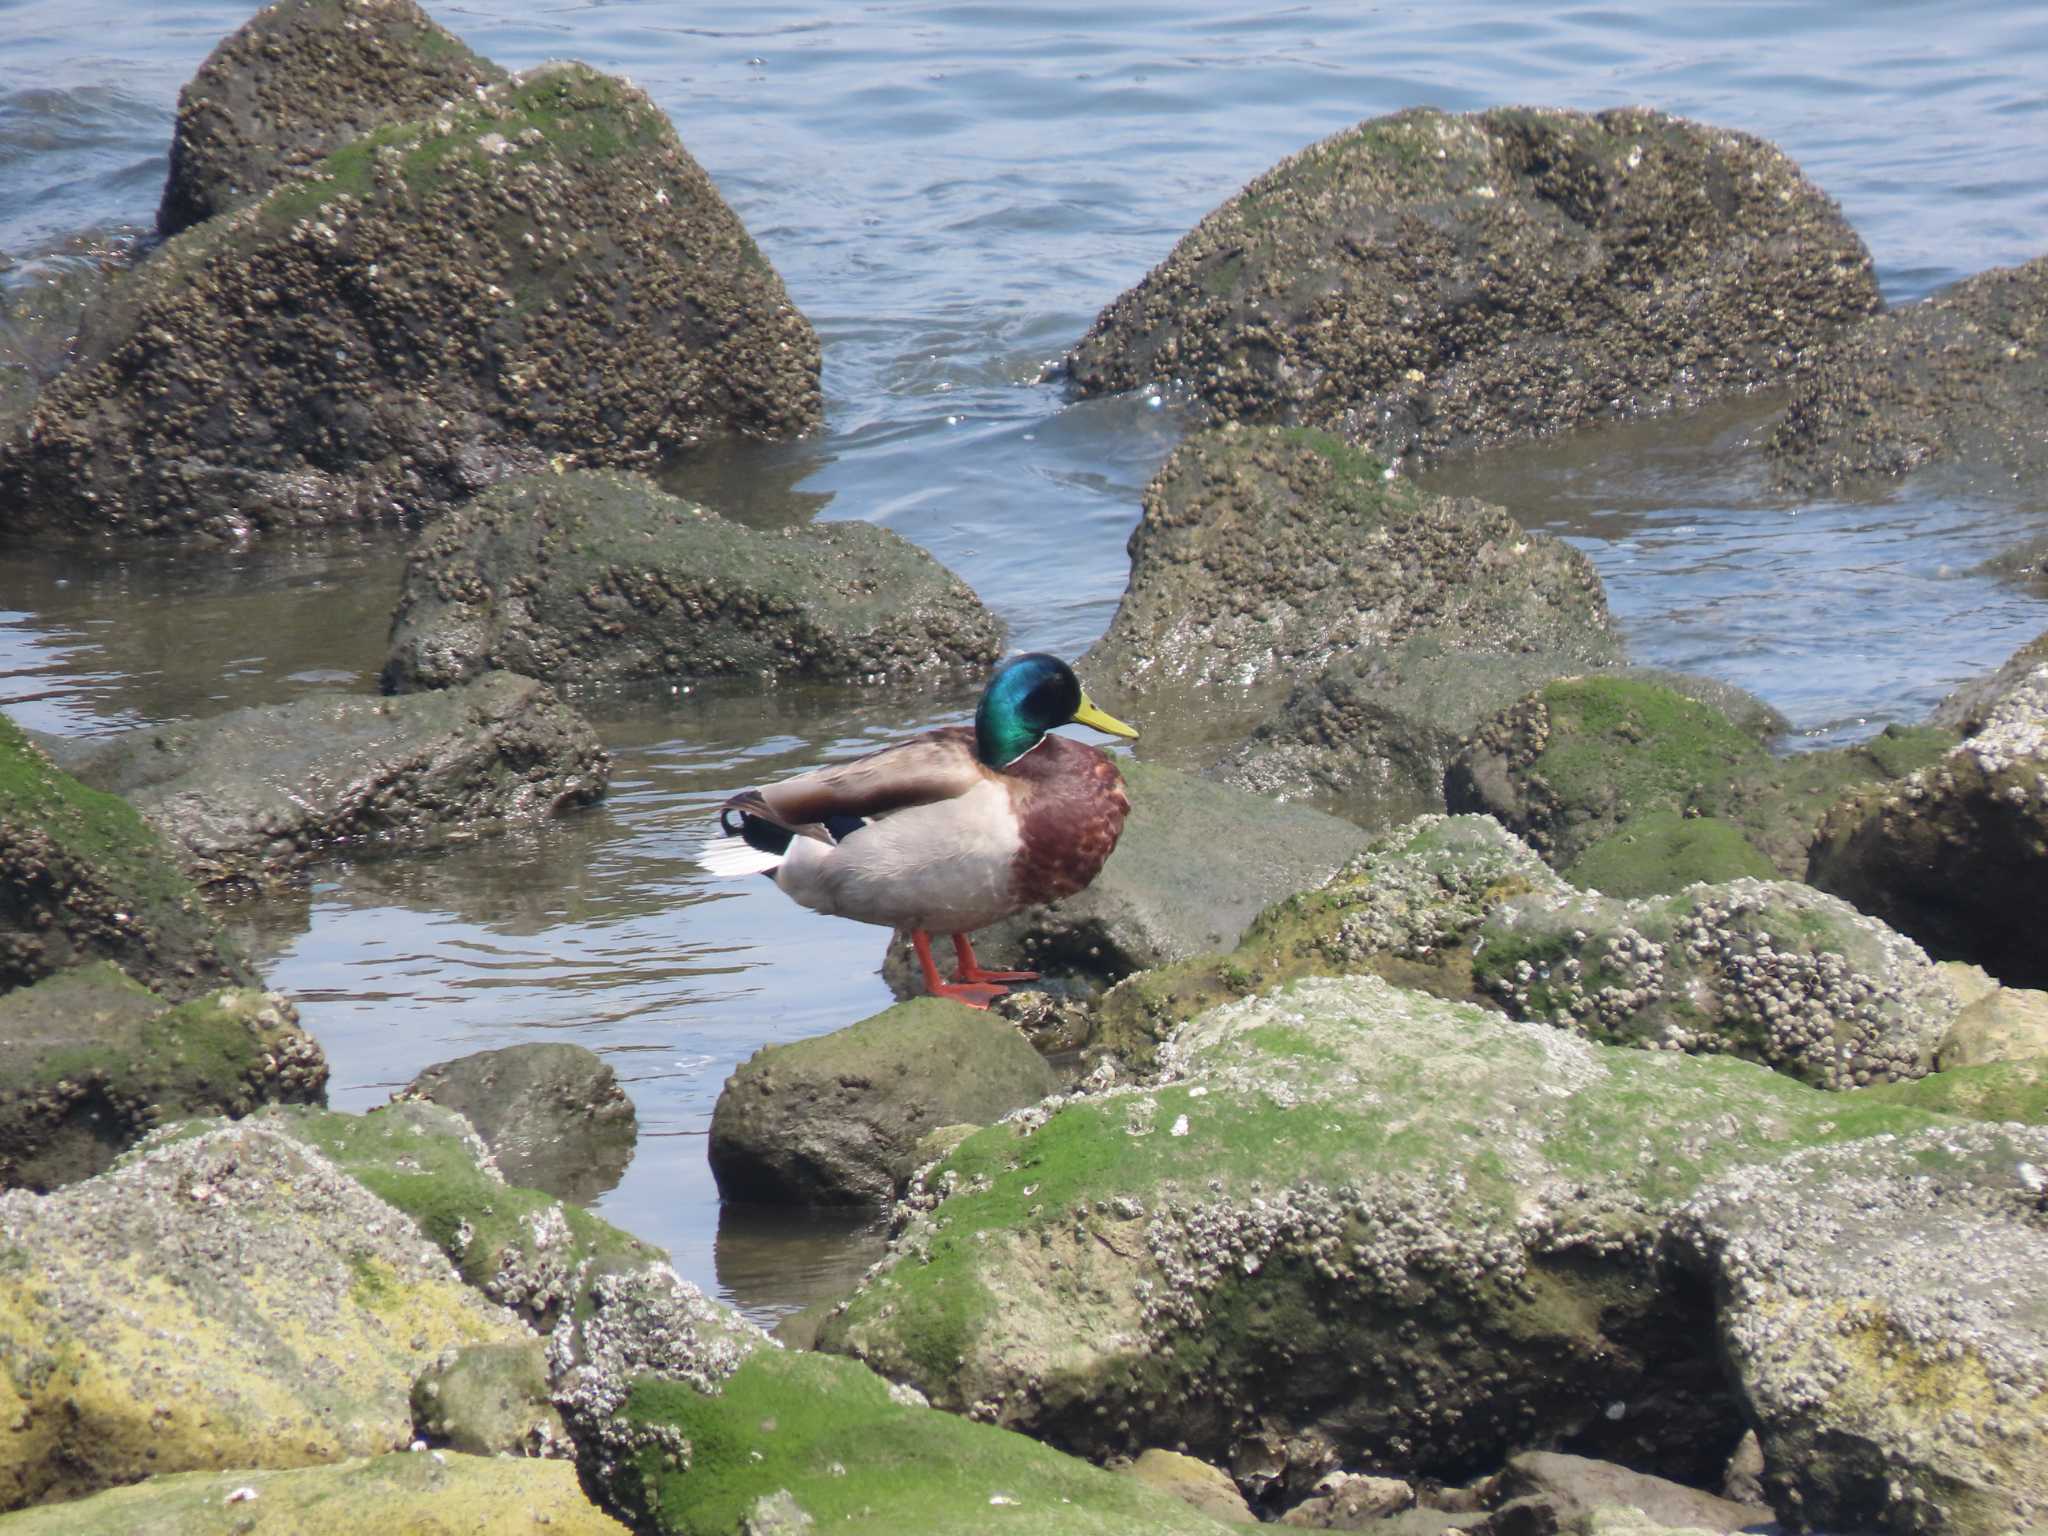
<point>951,191</point>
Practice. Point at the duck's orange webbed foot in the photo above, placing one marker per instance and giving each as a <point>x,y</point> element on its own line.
<point>970,968</point>
<point>974,992</point>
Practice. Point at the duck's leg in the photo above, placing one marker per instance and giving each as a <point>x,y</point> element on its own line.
<point>970,968</point>
<point>974,995</point>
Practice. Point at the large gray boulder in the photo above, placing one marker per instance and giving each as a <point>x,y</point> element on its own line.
<point>1960,377</point>
<point>600,578</point>
<point>226,1300</point>
<point>1263,555</point>
<point>297,81</point>
<point>1880,1310</point>
<point>1771,970</point>
<point>83,877</point>
<point>91,1061</point>
<point>836,1119</point>
<point>1196,863</point>
<point>553,1114</point>
<point>537,274</point>
<point>1429,282</point>
<point>262,792</point>
<point>1348,1225</point>
<point>1956,854</point>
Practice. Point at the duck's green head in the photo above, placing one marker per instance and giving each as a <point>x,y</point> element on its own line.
<point>1028,696</point>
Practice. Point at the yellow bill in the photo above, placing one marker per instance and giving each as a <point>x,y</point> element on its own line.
<point>1091,715</point>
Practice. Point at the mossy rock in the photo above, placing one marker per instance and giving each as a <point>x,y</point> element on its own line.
<point>91,1061</point>
<point>490,1400</point>
<point>83,877</point>
<point>597,579</point>
<point>1777,972</point>
<point>221,1298</point>
<point>1402,1229</point>
<point>1429,282</point>
<point>1995,1090</point>
<point>1614,762</point>
<point>522,1248</point>
<point>536,275</point>
<point>402,1493</point>
<point>1402,909</point>
<point>812,1439</point>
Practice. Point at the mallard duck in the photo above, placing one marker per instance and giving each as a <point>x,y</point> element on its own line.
<point>950,830</point>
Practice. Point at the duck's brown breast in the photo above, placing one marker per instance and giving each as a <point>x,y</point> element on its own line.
<point>1070,811</point>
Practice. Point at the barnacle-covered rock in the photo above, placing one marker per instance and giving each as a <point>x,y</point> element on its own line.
<point>1880,1309</point>
<point>1265,554</point>
<point>1956,854</point>
<point>1774,971</point>
<point>298,80</point>
<point>1347,1224</point>
<point>227,1299</point>
<point>1960,377</point>
<point>1428,282</point>
<point>598,578</point>
<point>537,274</point>
<point>91,1062</point>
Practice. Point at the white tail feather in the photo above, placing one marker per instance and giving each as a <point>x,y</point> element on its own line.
<point>727,857</point>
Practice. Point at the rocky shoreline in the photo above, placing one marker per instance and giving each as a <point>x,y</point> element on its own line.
<point>1489,1089</point>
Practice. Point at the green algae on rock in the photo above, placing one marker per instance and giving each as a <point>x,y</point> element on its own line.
<point>1880,1308</point>
<point>1586,762</point>
<point>402,1494</point>
<point>836,1119</point>
<point>1264,554</point>
<point>490,1400</point>
<point>83,877</point>
<point>91,1061</point>
<point>1402,909</point>
<point>2014,1090</point>
<point>257,794</point>
<point>1427,282</point>
<point>690,1422</point>
<point>1771,970</point>
<point>599,578</point>
<point>537,274</point>
<point>224,1298</point>
<point>1956,854</point>
<point>299,79</point>
<point>1960,377</point>
<point>1349,1224</point>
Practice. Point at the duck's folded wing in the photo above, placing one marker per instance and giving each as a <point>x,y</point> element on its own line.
<point>938,765</point>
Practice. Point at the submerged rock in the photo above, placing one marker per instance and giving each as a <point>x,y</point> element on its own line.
<point>1349,1225</point>
<point>553,1114</point>
<point>687,1418</point>
<point>1197,861</point>
<point>836,1119</point>
<point>91,1062</point>
<point>537,274</point>
<point>1956,854</point>
<point>399,1493</point>
<point>300,79</point>
<point>260,793</point>
<point>226,1300</point>
<point>598,578</point>
<point>1264,555</point>
<point>83,877</point>
<point>1771,970</point>
<point>1960,376</point>
<point>1880,1311</point>
<point>1428,282</point>
<point>490,1400</point>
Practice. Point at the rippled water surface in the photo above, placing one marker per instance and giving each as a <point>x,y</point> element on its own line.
<point>951,192</point>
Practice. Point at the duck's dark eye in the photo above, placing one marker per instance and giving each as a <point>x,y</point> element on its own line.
<point>1055,698</point>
